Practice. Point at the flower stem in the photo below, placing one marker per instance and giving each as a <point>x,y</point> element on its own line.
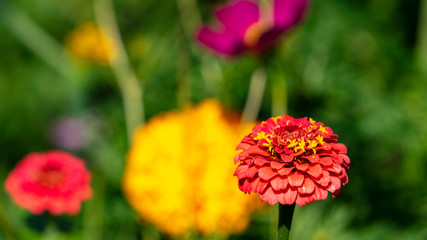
<point>47,48</point>
<point>286,212</point>
<point>421,47</point>
<point>36,39</point>
<point>210,69</point>
<point>278,94</point>
<point>50,232</point>
<point>255,95</point>
<point>5,225</point>
<point>129,84</point>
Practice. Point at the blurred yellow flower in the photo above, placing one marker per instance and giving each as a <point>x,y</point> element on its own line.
<point>87,42</point>
<point>179,172</point>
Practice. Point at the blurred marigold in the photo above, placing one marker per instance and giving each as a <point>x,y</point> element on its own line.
<point>178,172</point>
<point>54,181</point>
<point>289,160</point>
<point>89,43</point>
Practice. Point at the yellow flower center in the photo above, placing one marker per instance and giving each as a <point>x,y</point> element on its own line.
<point>295,138</point>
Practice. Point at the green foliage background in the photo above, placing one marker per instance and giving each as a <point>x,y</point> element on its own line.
<point>355,65</point>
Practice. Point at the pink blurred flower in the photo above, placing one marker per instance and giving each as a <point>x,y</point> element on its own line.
<point>246,28</point>
<point>54,181</point>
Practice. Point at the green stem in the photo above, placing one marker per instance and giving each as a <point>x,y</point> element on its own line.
<point>50,232</point>
<point>6,226</point>
<point>210,68</point>
<point>47,48</point>
<point>421,47</point>
<point>94,211</point>
<point>36,39</point>
<point>129,84</point>
<point>277,81</point>
<point>183,69</point>
<point>278,94</point>
<point>255,95</point>
<point>286,212</point>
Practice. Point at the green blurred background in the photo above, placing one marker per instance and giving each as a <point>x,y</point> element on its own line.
<point>359,66</point>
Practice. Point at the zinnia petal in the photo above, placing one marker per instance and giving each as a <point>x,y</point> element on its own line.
<point>315,170</point>
<point>307,187</point>
<point>296,179</point>
<point>279,183</point>
<point>288,197</point>
<point>266,173</point>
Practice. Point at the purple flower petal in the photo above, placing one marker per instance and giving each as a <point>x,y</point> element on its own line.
<point>238,16</point>
<point>288,12</point>
<point>225,43</point>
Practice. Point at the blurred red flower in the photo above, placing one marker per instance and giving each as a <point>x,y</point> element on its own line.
<point>54,181</point>
<point>289,160</point>
<point>247,27</point>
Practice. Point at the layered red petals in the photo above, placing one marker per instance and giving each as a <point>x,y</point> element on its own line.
<point>298,174</point>
<point>266,173</point>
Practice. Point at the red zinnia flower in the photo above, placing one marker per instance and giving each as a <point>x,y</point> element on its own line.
<point>247,27</point>
<point>54,181</point>
<point>289,160</point>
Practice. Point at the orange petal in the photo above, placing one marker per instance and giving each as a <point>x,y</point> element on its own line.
<point>315,170</point>
<point>345,159</point>
<point>287,157</point>
<point>276,165</point>
<point>296,179</point>
<point>307,187</point>
<point>285,171</point>
<point>320,194</point>
<point>255,150</point>
<point>259,161</point>
<point>251,171</point>
<point>260,186</point>
<point>301,167</point>
<point>335,184</point>
<point>301,200</point>
<point>268,196</point>
<point>312,158</point>
<point>266,173</point>
<point>341,148</point>
<point>241,171</point>
<point>243,146</point>
<point>288,197</point>
<point>279,184</point>
<point>326,161</point>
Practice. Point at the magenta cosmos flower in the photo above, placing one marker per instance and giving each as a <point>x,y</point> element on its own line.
<point>289,161</point>
<point>245,27</point>
<point>54,181</point>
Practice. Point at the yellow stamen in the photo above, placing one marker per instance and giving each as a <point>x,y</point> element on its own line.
<point>312,143</point>
<point>266,137</point>
<point>301,146</point>
<point>322,130</point>
<point>292,143</point>
<point>319,139</point>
